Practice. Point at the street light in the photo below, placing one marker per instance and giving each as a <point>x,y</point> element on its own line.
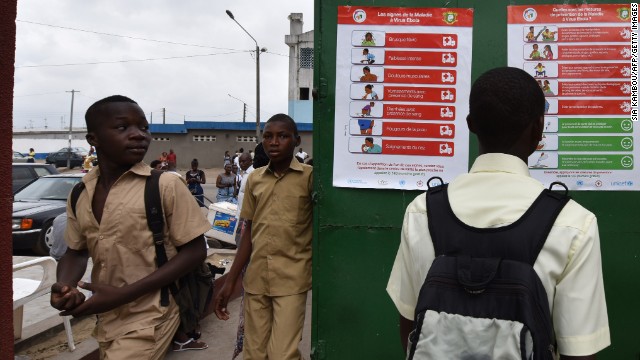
<point>258,51</point>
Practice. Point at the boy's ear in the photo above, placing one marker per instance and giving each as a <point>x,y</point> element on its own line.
<point>538,128</point>
<point>298,140</point>
<point>471,124</point>
<point>91,139</point>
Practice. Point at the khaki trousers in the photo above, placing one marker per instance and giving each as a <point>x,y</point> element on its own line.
<point>150,343</point>
<point>273,326</point>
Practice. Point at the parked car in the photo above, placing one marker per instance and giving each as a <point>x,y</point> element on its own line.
<point>24,173</point>
<point>59,159</point>
<point>34,208</point>
<point>77,149</point>
<point>19,157</point>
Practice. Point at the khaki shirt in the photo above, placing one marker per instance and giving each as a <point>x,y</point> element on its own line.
<point>280,209</point>
<point>121,246</point>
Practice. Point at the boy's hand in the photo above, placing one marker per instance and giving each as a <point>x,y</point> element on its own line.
<point>221,300</point>
<point>104,298</point>
<point>65,297</point>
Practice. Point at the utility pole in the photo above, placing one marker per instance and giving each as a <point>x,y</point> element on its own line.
<point>244,107</point>
<point>244,113</point>
<point>151,116</point>
<point>164,114</point>
<point>73,92</point>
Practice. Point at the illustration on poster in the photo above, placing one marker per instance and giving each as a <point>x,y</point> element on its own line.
<point>448,58</point>
<point>448,41</point>
<point>448,77</point>
<point>446,112</point>
<point>446,95</point>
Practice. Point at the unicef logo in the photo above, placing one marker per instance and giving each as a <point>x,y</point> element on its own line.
<point>359,16</point>
<point>402,183</point>
<point>530,14</point>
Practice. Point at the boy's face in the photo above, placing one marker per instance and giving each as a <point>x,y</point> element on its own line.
<point>279,141</point>
<point>121,133</point>
<point>535,47</point>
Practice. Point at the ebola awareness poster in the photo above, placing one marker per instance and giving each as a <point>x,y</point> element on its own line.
<point>585,59</point>
<point>402,89</point>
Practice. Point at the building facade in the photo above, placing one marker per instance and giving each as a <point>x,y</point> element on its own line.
<point>300,70</point>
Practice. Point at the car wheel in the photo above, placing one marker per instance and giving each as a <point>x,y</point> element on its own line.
<point>45,240</point>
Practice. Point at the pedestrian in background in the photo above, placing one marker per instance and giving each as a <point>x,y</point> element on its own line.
<point>195,178</point>
<point>225,184</point>
<point>31,158</point>
<point>172,159</point>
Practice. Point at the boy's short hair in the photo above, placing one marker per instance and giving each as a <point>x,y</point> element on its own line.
<point>154,163</point>
<point>285,119</point>
<point>503,103</point>
<point>369,139</point>
<point>366,68</point>
<point>93,112</point>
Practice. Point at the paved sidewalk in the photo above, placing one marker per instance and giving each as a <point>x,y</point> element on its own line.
<point>221,337</point>
<point>40,317</point>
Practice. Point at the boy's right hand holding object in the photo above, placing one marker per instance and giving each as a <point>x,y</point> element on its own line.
<point>65,297</point>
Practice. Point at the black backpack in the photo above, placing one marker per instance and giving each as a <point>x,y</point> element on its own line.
<point>481,298</point>
<point>193,291</point>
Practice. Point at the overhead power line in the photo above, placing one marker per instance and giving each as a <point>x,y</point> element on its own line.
<point>130,60</point>
<point>138,38</point>
<point>124,36</point>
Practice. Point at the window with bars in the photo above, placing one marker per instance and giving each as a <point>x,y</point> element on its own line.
<point>204,138</point>
<point>306,58</point>
<point>251,139</point>
<point>161,139</point>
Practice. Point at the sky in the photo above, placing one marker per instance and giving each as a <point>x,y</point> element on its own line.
<point>194,84</point>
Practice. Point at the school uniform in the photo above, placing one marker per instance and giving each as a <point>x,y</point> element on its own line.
<point>278,275</point>
<point>496,192</point>
<point>122,249</point>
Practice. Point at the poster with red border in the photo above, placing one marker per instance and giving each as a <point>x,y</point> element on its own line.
<point>585,59</point>
<point>402,87</point>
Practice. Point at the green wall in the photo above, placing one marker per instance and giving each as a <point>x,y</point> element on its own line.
<point>357,231</point>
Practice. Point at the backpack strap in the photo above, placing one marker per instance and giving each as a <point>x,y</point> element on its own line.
<point>155,221</point>
<point>75,195</point>
<point>521,241</point>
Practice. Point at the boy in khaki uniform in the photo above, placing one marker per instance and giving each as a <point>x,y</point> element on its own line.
<point>110,225</point>
<point>275,247</point>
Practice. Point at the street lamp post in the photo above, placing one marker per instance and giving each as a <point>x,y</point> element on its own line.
<point>258,51</point>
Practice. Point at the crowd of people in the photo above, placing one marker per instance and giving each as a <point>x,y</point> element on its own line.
<point>273,188</point>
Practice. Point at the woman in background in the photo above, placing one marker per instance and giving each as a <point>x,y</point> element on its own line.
<point>195,178</point>
<point>226,185</point>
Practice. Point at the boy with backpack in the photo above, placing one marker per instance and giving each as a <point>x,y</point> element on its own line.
<point>275,248</point>
<point>109,224</point>
<point>506,112</point>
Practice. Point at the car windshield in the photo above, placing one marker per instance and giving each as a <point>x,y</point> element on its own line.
<point>53,188</point>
